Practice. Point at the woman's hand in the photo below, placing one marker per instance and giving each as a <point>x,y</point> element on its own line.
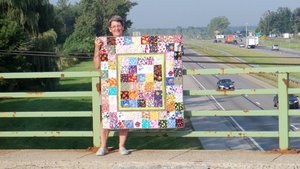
<point>98,43</point>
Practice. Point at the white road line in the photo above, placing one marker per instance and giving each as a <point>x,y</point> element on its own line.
<point>257,103</point>
<point>236,123</point>
<point>294,127</point>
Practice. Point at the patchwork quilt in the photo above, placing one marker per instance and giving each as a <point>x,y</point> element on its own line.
<point>141,82</point>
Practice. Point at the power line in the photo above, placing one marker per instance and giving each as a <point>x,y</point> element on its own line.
<point>47,54</point>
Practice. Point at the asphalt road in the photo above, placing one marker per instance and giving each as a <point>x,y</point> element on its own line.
<point>237,102</point>
<point>282,52</point>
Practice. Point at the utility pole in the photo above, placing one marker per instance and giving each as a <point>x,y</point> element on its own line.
<point>246,30</point>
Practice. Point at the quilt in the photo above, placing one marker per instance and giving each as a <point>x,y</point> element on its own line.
<point>141,82</point>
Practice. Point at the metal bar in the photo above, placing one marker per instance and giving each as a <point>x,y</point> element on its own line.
<point>45,94</point>
<point>228,92</point>
<point>194,113</point>
<point>46,134</point>
<point>46,114</point>
<point>264,134</point>
<point>49,75</point>
<point>294,90</point>
<point>223,71</point>
<point>294,112</point>
<point>283,119</point>
<point>294,134</point>
<point>96,112</point>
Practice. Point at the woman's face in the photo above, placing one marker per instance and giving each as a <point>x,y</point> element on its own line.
<point>116,28</point>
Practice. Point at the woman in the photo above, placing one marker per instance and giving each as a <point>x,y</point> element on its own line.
<point>116,28</point>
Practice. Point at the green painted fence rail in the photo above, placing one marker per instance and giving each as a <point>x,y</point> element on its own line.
<point>94,113</point>
<point>284,133</point>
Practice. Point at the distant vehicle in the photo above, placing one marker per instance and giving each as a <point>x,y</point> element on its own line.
<point>251,42</point>
<point>293,101</point>
<point>230,39</point>
<point>225,84</point>
<point>219,38</point>
<point>275,47</point>
<point>241,45</point>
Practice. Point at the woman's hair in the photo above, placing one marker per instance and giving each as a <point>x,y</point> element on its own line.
<point>116,18</point>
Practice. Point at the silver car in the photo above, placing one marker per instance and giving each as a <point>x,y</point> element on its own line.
<point>275,47</point>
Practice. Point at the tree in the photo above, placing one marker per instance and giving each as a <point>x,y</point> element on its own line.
<point>35,16</point>
<point>85,28</point>
<point>219,23</point>
<point>116,7</point>
<point>27,25</point>
<point>66,14</point>
<point>284,20</point>
<point>277,22</point>
<point>93,21</point>
<point>12,36</point>
<point>296,20</point>
<point>267,22</point>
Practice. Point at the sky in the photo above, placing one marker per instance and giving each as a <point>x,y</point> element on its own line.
<point>198,13</point>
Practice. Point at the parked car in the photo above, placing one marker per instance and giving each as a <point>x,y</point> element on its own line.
<point>293,101</point>
<point>275,47</point>
<point>225,84</point>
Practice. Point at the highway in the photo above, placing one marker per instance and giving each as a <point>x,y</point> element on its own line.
<point>237,102</point>
<point>282,52</point>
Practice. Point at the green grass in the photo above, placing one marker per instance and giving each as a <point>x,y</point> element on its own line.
<point>71,124</point>
<point>78,84</point>
<point>283,43</point>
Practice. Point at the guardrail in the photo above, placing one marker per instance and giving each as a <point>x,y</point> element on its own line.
<point>283,113</point>
<point>94,113</point>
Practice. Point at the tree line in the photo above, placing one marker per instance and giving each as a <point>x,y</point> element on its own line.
<point>281,21</point>
<point>45,30</point>
<point>271,22</point>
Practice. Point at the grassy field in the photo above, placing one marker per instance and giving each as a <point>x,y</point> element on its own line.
<point>71,124</point>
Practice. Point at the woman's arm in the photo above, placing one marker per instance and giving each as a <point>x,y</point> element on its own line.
<point>98,46</point>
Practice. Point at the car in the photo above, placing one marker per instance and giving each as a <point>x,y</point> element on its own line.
<point>293,101</point>
<point>225,84</point>
<point>275,47</point>
<point>241,45</point>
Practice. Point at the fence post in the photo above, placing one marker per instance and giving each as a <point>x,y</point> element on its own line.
<point>283,110</point>
<point>96,112</point>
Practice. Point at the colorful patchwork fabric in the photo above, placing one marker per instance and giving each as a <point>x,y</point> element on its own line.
<point>141,82</point>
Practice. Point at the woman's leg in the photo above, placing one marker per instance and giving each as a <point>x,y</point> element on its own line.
<point>122,137</point>
<point>104,135</point>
